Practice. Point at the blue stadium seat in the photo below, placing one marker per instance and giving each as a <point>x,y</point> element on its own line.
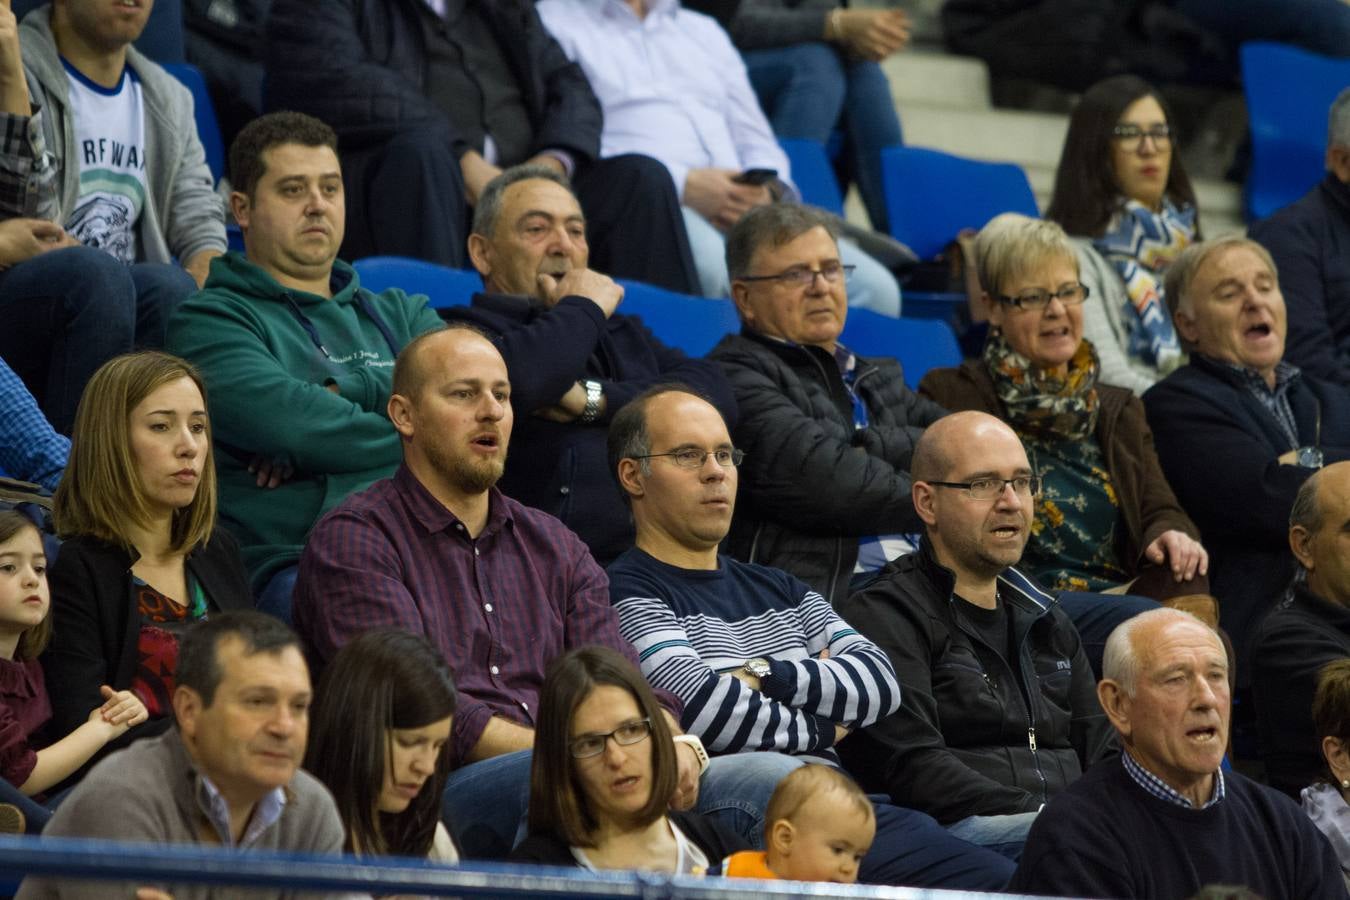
<point>442,285</point>
<point>813,174</point>
<point>208,129</point>
<point>692,324</point>
<point>1289,92</point>
<point>919,344</point>
<point>931,196</point>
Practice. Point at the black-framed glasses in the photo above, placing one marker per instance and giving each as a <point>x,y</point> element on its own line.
<point>633,731</point>
<point>802,276</point>
<point>989,488</point>
<point>695,457</point>
<point>1070,295</point>
<point>1161,135</point>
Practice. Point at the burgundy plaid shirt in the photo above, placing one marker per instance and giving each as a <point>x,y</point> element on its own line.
<point>499,607</point>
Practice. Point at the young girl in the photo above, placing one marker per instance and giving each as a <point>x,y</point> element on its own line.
<point>379,735</point>
<point>25,625</point>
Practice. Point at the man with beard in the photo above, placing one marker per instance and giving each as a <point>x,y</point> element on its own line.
<point>999,711</point>
<point>501,589</point>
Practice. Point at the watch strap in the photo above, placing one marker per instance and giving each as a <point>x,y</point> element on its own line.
<point>692,741</point>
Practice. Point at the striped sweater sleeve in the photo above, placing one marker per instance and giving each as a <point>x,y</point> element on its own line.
<point>726,713</point>
<point>854,685</point>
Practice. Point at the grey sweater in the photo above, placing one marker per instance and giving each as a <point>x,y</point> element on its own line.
<point>183,214</point>
<point>148,793</point>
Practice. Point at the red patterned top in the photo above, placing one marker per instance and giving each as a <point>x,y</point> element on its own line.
<point>163,622</point>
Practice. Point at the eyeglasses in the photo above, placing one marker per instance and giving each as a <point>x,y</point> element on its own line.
<point>802,277</point>
<point>694,458</point>
<point>627,734</point>
<point>1126,134</point>
<point>989,488</point>
<point>1032,301</point>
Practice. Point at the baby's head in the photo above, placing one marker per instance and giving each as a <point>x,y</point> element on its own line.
<point>818,826</point>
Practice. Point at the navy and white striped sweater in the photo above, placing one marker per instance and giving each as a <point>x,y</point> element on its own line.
<point>693,628</point>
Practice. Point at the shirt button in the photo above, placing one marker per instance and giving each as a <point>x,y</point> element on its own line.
<point>459,526</point>
<point>487,607</point>
<point>475,551</point>
<point>524,705</point>
<point>494,670</point>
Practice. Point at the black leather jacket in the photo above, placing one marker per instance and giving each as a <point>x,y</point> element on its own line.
<point>976,734</point>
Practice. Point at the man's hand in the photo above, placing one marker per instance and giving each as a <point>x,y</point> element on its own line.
<point>1184,554</point>
<point>601,290</point>
<point>270,473</point>
<point>199,265</point>
<point>569,406</point>
<point>13,85</point>
<point>840,732</point>
<point>713,194</point>
<point>872,34</point>
<point>686,786</point>
<point>549,160</point>
<point>477,173</point>
<point>149,893</point>
<point>23,239</point>
<point>751,680</point>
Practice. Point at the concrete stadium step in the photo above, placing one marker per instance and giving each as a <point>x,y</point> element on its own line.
<point>928,77</point>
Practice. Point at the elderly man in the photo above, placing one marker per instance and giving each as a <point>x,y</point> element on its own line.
<point>1310,241</point>
<point>1163,820</point>
<point>296,354</point>
<point>228,775</point>
<point>760,660</point>
<point>573,361</point>
<point>986,734</point>
<point>827,434</point>
<point>1239,428</point>
<point>1308,629</point>
<point>499,588</point>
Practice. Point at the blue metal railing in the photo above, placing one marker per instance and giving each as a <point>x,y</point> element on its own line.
<point>157,864</point>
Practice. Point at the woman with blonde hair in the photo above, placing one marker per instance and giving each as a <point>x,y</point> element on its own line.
<point>142,559</point>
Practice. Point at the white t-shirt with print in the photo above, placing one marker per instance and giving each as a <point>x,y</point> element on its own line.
<point>110,151</point>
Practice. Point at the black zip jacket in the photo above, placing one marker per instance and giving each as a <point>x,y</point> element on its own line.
<point>812,483</point>
<point>976,734</point>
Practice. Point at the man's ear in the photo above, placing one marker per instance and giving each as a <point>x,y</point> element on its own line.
<point>630,477</point>
<point>740,295</point>
<point>240,208</point>
<point>1338,162</point>
<point>1186,326</point>
<point>480,254</point>
<point>1116,704</point>
<point>399,410</point>
<point>781,834</point>
<point>1300,541</point>
<point>925,502</point>
<point>187,705</point>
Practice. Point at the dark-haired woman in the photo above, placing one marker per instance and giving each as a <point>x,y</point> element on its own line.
<point>602,775</point>
<point>379,733</point>
<point>1122,191</point>
<point>1328,801</point>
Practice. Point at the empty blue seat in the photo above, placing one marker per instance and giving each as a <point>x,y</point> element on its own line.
<point>931,196</point>
<point>813,174</point>
<point>693,324</point>
<point>919,344</point>
<point>1289,93</point>
<point>208,129</point>
<point>442,285</point>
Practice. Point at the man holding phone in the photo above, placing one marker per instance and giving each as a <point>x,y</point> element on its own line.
<point>673,87</point>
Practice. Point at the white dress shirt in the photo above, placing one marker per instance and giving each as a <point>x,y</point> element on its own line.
<point>671,84</point>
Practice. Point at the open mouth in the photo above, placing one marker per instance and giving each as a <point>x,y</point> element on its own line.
<point>1259,330</point>
<point>1203,735</point>
<point>1056,332</point>
<point>1007,531</point>
<point>486,441</point>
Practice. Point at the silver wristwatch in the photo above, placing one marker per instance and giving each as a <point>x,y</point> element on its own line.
<point>758,667</point>
<point>591,411</point>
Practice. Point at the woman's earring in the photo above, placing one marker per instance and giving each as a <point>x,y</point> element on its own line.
<point>1345,784</point>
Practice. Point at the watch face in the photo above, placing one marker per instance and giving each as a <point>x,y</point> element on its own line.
<point>1310,457</point>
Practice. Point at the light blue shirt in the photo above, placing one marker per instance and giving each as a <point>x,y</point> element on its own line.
<point>266,812</point>
<point>671,84</point>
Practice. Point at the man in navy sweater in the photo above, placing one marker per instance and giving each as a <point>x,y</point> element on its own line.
<point>759,659</point>
<point>1163,819</point>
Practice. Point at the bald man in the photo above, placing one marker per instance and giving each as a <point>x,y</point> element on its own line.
<point>1164,819</point>
<point>1309,628</point>
<point>971,639</point>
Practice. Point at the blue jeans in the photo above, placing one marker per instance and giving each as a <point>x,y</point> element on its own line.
<point>1322,26</point>
<point>807,89</point>
<point>1005,835</point>
<point>913,850</point>
<point>66,312</point>
<point>1097,615</point>
<point>485,803</point>
<point>871,287</point>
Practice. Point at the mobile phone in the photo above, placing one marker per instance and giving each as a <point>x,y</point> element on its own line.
<point>756,177</point>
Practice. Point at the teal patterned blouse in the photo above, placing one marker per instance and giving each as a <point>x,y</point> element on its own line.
<point>1073,538</point>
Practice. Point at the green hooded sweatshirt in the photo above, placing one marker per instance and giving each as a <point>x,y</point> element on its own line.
<point>267,354</point>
